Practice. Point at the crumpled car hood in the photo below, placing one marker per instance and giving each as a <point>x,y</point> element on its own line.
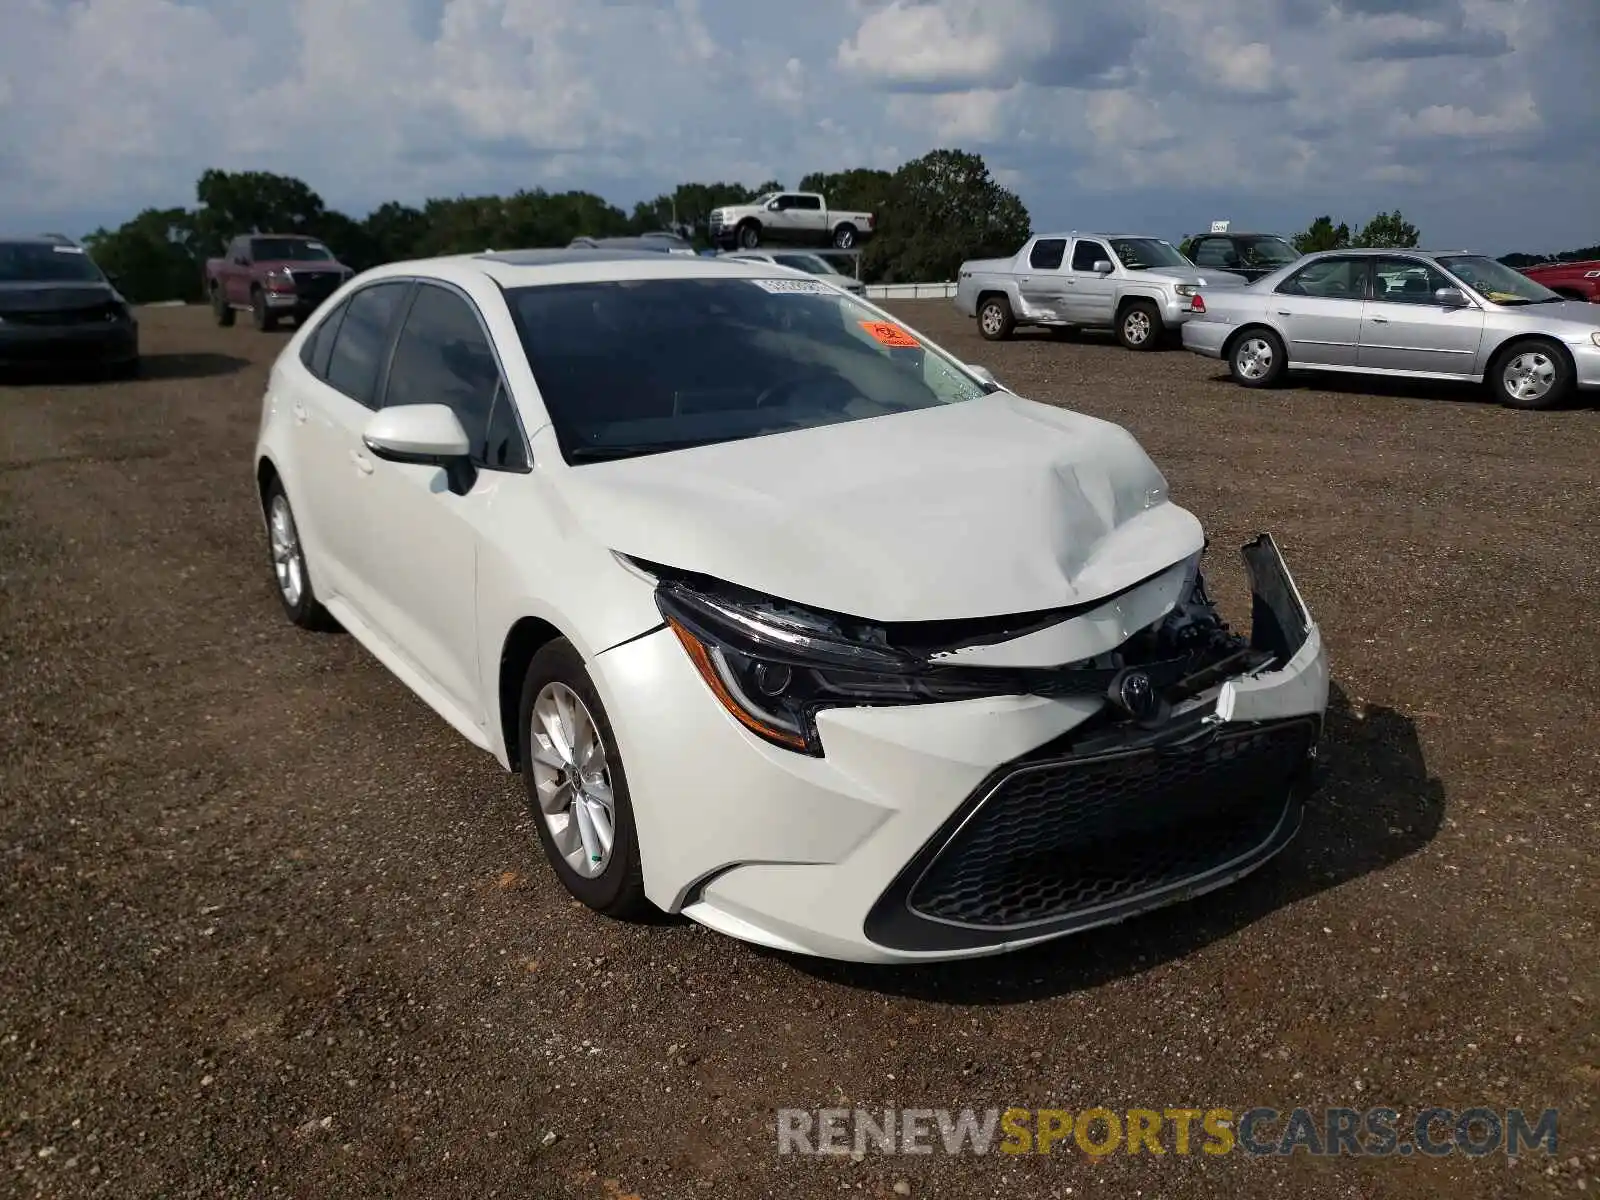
<point>992,507</point>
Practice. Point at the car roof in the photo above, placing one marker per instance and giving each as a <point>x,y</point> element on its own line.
<point>1089,233</point>
<point>533,268</point>
<point>1379,251</point>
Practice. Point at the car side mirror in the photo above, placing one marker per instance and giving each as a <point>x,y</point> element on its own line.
<point>983,373</point>
<point>772,206</point>
<point>1102,267</point>
<point>423,435</point>
<point>1451,297</point>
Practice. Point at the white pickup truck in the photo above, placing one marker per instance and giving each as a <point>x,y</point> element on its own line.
<point>1139,286</point>
<point>801,217</point>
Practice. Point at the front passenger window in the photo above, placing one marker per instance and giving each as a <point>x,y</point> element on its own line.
<point>1086,254</point>
<point>444,357</point>
<point>1405,281</point>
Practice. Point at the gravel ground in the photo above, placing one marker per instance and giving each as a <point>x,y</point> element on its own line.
<point>270,928</point>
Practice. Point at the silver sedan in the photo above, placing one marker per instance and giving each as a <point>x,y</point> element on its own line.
<point>1407,313</point>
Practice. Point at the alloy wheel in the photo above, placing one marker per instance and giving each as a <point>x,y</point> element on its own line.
<point>1136,327</point>
<point>572,779</point>
<point>288,561</point>
<point>1253,358</point>
<point>1529,376</point>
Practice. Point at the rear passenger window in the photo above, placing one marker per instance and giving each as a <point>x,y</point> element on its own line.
<point>315,349</point>
<point>1047,254</point>
<point>359,342</point>
<point>443,357</point>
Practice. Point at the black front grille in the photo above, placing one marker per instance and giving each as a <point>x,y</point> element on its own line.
<point>93,314</point>
<point>1064,838</point>
<point>316,285</point>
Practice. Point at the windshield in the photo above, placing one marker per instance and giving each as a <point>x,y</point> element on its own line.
<point>1496,282</point>
<point>804,262</point>
<point>1141,254</point>
<point>644,366</point>
<point>46,262</point>
<point>1266,251</point>
<point>289,250</point>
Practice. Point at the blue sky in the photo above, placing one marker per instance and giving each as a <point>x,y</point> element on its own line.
<point>1479,118</point>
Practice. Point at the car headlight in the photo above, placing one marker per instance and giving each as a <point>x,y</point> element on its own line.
<point>1188,289</point>
<point>774,666</point>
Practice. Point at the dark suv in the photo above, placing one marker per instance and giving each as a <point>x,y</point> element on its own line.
<point>1252,255</point>
<point>57,306</point>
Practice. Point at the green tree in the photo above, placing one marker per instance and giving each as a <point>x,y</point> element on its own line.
<point>155,256</point>
<point>236,202</point>
<point>396,231</point>
<point>939,210</point>
<point>1387,230</point>
<point>688,206</point>
<point>861,189</point>
<point>1323,234</point>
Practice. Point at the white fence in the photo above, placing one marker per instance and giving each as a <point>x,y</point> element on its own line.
<point>911,291</point>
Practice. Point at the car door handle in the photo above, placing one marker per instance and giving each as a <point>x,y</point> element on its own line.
<point>301,416</point>
<point>1284,312</point>
<point>1380,320</point>
<point>362,462</point>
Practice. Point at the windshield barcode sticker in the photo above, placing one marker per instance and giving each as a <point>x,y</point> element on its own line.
<point>804,287</point>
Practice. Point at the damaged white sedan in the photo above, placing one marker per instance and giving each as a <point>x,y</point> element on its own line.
<point>792,622</point>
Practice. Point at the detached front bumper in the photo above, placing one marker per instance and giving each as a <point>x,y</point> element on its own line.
<point>966,828</point>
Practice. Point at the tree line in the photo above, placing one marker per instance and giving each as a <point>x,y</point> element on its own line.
<point>932,213</point>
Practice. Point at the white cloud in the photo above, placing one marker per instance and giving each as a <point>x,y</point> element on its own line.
<point>1159,109</point>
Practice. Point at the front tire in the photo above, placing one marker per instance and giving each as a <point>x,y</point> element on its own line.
<point>995,319</point>
<point>1140,326</point>
<point>263,317</point>
<point>749,235</point>
<point>577,789</point>
<point>289,569</point>
<point>1257,359</point>
<point>220,308</point>
<point>1531,373</point>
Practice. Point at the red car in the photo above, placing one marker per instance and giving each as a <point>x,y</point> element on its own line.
<point>1574,280</point>
<point>272,275</point>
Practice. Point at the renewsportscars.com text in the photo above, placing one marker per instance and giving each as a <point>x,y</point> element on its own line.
<point>1101,1131</point>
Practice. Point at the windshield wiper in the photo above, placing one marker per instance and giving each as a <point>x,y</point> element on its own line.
<point>601,453</point>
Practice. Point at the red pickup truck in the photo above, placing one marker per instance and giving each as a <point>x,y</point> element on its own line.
<point>272,275</point>
<point>1575,280</point>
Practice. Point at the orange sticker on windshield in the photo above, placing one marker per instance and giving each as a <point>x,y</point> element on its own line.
<point>887,334</point>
